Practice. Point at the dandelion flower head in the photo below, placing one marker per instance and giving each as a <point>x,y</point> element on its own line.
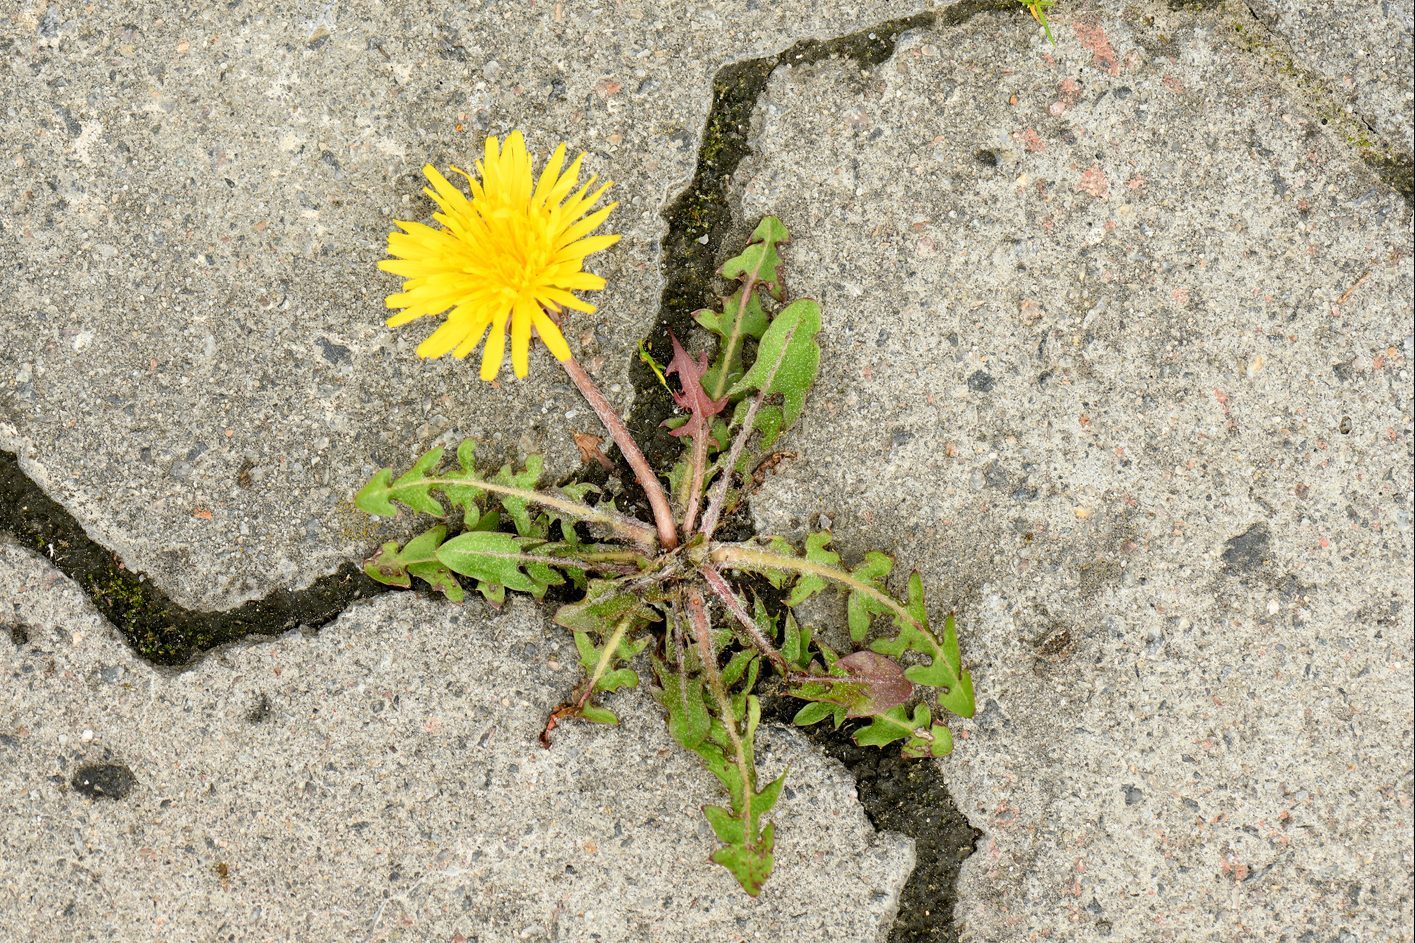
<point>507,259</point>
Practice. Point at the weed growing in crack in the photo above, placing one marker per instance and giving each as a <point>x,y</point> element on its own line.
<point>716,618</point>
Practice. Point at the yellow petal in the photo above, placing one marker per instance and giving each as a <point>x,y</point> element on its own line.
<point>470,342</point>
<point>521,341</point>
<point>495,350</point>
<point>549,176</point>
<point>452,332</point>
<point>550,333</point>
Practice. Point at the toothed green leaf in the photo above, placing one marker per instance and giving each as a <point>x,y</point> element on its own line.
<point>729,829</point>
<point>788,358</point>
<point>817,551</point>
<point>742,317</point>
<point>688,718</point>
<point>410,488</point>
<point>516,508</point>
<point>604,604</point>
<point>861,608</point>
<point>761,260</point>
<point>492,557</point>
<point>393,566</point>
<point>892,725</point>
<point>750,864</point>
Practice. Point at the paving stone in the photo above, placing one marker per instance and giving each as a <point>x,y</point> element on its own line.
<point>192,350</point>
<point>1117,352</point>
<point>379,781</point>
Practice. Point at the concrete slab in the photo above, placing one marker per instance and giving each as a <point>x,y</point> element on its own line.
<point>381,781</point>
<point>194,357</point>
<point>1117,352</point>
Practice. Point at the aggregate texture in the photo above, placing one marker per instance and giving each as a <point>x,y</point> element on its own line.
<point>192,351</point>
<point>1363,48</point>
<point>382,781</point>
<point>1117,352</point>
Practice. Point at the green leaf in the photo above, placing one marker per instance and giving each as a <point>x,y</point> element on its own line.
<point>814,713</point>
<point>517,508</point>
<point>761,261</point>
<point>741,317</point>
<point>465,493</point>
<point>688,718</point>
<point>763,801</point>
<point>604,604</point>
<point>736,667</point>
<point>750,864</point>
<point>493,557</point>
<point>860,608</point>
<point>788,358</point>
<point>940,746</point>
<point>817,551</point>
<point>729,829</point>
<point>922,737</point>
<point>796,646</point>
<point>612,681</point>
<point>944,669</point>
<point>393,566</point>
<point>411,489</point>
<point>892,725</point>
<point>599,715</point>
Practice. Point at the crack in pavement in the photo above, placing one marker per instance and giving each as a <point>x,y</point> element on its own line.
<point>158,629</point>
<point>1392,167</point>
<point>901,796</point>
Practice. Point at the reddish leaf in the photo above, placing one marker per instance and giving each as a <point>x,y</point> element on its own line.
<point>691,396</point>
<point>883,680</point>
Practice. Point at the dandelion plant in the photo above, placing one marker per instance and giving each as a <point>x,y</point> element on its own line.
<point>714,620</point>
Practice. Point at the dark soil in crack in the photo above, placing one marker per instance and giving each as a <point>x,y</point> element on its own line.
<point>910,797</point>
<point>157,628</point>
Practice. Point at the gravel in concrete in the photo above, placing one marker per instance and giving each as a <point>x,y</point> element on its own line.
<point>1363,48</point>
<point>1117,352</point>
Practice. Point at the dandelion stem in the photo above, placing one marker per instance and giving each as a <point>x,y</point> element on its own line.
<point>658,498</point>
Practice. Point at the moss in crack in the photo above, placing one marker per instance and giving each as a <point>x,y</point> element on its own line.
<point>1250,33</point>
<point>158,629</point>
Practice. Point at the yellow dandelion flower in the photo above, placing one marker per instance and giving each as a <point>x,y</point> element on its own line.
<point>509,257</point>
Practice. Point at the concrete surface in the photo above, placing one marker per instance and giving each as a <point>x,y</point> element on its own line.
<point>1117,335</point>
<point>1118,353</point>
<point>193,208</point>
<point>1362,47</point>
<point>383,781</point>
